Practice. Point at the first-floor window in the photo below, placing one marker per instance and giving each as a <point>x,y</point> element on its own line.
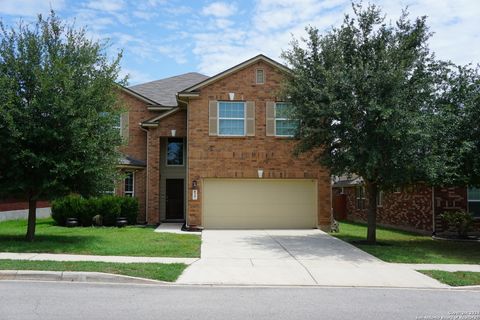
<point>474,201</point>
<point>129,185</point>
<point>360,197</point>
<point>380,199</point>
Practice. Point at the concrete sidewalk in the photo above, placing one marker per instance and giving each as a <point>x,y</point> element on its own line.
<point>78,257</point>
<point>293,257</point>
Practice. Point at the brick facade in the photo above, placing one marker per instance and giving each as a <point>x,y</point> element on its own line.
<point>411,209</point>
<point>19,204</point>
<point>241,157</point>
<point>214,157</point>
<point>136,147</point>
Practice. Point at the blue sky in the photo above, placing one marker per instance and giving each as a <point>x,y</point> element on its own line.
<point>162,38</point>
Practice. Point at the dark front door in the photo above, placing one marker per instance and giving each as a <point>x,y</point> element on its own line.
<point>174,199</point>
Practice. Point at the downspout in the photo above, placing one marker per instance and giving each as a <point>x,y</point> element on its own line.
<point>187,198</point>
<point>434,231</point>
<point>146,178</point>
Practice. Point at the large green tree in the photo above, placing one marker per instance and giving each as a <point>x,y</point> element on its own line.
<point>455,151</point>
<point>363,92</point>
<point>58,112</point>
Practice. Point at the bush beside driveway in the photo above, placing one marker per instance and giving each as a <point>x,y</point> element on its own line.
<point>128,241</point>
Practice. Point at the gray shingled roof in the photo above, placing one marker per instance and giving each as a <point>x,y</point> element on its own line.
<point>163,91</point>
<point>129,161</point>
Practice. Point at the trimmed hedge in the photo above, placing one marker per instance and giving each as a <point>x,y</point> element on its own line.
<point>84,209</point>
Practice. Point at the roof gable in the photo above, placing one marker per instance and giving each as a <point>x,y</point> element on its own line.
<point>234,69</point>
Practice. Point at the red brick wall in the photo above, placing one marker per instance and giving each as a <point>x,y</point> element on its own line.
<point>136,147</point>
<point>241,157</point>
<point>15,204</point>
<point>410,209</point>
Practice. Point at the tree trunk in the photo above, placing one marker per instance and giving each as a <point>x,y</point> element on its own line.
<point>372,190</point>
<point>32,217</point>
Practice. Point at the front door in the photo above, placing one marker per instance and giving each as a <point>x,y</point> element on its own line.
<point>174,202</point>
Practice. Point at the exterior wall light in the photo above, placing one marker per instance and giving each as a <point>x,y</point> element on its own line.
<point>260,173</point>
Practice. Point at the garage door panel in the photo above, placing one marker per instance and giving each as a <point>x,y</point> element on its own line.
<point>249,203</point>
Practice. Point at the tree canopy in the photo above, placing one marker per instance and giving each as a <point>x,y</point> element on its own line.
<point>369,97</point>
<point>58,112</point>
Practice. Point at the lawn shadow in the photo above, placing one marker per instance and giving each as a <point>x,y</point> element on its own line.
<point>46,243</point>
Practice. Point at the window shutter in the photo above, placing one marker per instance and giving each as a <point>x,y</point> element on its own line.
<point>124,126</point>
<point>250,118</point>
<point>270,116</point>
<point>212,118</point>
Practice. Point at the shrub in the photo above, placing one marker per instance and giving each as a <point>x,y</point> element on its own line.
<point>109,207</point>
<point>458,220</point>
<point>129,209</point>
<point>67,207</point>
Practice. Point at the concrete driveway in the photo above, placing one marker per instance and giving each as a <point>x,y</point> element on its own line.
<point>292,257</point>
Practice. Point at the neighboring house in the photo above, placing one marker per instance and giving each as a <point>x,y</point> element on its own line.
<point>417,207</point>
<point>216,152</point>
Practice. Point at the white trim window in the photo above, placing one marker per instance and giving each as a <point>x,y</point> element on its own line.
<point>474,201</point>
<point>118,123</point>
<point>284,127</point>
<point>129,184</point>
<point>231,118</point>
<point>380,199</point>
<point>360,197</point>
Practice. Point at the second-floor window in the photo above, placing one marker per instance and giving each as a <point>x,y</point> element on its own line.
<point>284,127</point>
<point>175,152</point>
<point>231,118</point>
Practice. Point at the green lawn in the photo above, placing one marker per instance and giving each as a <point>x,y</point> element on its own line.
<point>156,271</point>
<point>129,241</point>
<point>459,278</point>
<point>407,247</point>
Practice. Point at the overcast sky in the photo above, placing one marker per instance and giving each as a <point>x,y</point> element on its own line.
<point>162,38</point>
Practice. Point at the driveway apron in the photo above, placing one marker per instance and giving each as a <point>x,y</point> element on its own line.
<point>293,257</point>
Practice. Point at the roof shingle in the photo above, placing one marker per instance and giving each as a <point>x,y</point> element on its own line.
<point>163,91</point>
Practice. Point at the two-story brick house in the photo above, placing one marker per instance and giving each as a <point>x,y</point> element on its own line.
<point>216,152</point>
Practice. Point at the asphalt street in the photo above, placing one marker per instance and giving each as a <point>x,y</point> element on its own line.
<point>60,300</point>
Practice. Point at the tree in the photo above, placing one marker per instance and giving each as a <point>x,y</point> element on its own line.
<point>455,151</point>
<point>58,110</point>
<point>363,93</point>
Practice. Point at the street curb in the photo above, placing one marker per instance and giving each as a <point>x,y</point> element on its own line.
<point>71,276</point>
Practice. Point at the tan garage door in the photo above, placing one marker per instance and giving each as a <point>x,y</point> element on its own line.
<point>265,203</point>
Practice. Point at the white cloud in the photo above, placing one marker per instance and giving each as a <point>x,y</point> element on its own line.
<point>135,76</point>
<point>219,9</point>
<point>272,23</point>
<point>106,5</point>
<point>29,8</point>
<point>145,15</point>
